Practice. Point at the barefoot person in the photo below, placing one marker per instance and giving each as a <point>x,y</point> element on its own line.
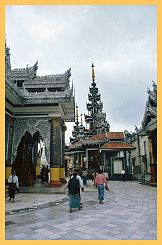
<point>74,192</point>
<point>101,183</point>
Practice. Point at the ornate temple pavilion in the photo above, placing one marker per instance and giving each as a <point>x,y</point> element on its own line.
<point>95,146</point>
<point>36,107</point>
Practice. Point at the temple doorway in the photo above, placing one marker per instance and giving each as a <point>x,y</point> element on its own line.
<point>28,157</point>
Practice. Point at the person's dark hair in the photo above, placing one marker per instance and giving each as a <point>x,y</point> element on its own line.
<point>100,171</point>
<point>76,170</point>
<point>75,174</point>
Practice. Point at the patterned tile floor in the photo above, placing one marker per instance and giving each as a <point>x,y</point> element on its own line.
<point>129,213</point>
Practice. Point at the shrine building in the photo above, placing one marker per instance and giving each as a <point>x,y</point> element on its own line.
<point>36,109</point>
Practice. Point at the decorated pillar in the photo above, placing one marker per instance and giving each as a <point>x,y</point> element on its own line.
<point>62,163</point>
<point>8,167</point>
<point>55,151</point>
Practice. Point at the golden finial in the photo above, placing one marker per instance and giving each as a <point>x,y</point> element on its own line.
<point>93,73</point>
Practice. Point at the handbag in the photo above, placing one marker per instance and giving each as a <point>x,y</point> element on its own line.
<point>106,188</point>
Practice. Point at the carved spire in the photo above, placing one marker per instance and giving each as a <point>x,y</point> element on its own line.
<point>76,113</point>
<point>95,118</point>
<point>81,123</point>
<point>93,73</point>
<point>7,59</point>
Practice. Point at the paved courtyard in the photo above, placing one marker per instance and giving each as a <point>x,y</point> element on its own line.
<point>129,213</point>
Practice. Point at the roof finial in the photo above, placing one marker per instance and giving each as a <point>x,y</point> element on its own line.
<point>93,73</point>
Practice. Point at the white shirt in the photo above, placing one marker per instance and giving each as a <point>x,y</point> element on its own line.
<point>14,179</point>
<point>123,172</point>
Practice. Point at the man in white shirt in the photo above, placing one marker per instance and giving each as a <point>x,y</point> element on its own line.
<point>13,185</point>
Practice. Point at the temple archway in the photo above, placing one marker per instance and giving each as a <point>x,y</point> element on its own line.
<point>27,158</point>
<point>23,161</point>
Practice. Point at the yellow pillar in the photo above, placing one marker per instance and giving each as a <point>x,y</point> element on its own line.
<point>8,171</point>
<point>62,175</point>
<point>55,177</point>
<point>38,167</point>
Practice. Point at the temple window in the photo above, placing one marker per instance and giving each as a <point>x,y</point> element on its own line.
<point>34,90</point>
<point>20,83</point>
<point>56,89</point>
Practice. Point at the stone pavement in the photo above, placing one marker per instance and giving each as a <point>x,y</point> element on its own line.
<point>129,213</point>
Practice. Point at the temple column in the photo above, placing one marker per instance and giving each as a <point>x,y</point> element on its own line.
<point>153,164</point>
<point>38,167</point>
<point>62,164</point>
<point>87,163</point>
<point>55,151</point>
<point>81,161</point>
<point>8,167</point>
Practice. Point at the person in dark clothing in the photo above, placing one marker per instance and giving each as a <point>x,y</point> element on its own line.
<point>74,192</point>
<point>46,174</point>
<point>42,174</point>
<point>123,175</point>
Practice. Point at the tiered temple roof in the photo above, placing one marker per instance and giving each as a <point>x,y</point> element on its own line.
<point>78,132</point>
<point>24,87</point>
<point>104,138</point>
<point>96,119</point>
<point>150,114</point>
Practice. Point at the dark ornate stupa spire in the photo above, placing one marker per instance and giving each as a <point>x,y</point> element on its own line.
<point>95,118</point>
<point>78,132</point>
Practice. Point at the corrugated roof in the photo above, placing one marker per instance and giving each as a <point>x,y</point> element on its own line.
<point>117,145</point>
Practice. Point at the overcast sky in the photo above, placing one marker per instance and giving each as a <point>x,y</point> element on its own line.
<point>121,41</point>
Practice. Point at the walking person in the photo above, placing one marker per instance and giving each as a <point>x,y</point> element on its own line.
<point>42,173</point>
<point>101,184</point>
<point>74,192</point>
<point>47,174</point>
<point>123,175</point>
<point>13,185</point>
<point>80,183</point>
<point>94,177</point>
<point>84,176</point>
<point>70,172</point>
